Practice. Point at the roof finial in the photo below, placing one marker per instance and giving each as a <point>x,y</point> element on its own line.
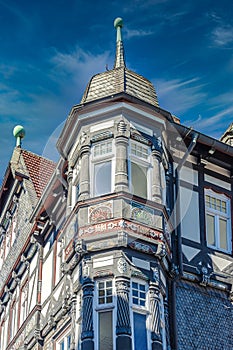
<point>19,133</point>
<point>120,56</point>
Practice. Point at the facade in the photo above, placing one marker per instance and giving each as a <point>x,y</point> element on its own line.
<point>126,242</point>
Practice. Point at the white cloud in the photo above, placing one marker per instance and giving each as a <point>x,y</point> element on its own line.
<point>222,35</point>
<point>215,119</point>
<point>131,33</point>
<point>73,70</point>
<point>178,96</point>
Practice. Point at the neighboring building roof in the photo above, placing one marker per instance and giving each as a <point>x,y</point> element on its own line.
<point>40,170</point>
<point>227,137</point>
<point>120,79</point>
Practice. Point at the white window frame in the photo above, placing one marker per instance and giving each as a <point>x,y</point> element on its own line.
<point>75,184</point>
<point>217,216</point>
<point>144,310</point>
<point>101,159</point>
<point>104,308</point>
<point>63,338</point>
<point>141,161</point>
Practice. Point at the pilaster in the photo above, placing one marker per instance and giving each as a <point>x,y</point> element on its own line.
<point>84,189</point>
<point>156,337</point>
<point>87,335</point>
<point>123,327</point>
<point>121,173</point>
<point>156,177</point>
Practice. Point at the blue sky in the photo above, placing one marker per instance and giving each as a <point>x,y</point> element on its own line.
<point>50,49</point>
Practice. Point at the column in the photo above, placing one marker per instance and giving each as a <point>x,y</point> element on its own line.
<point>121,174</point>
<point>156,336</point>
<point>87,317</point>
<point>69,197</point>
<point>84,188</point>
<point>156,177</point>
<point>73,320</point>
<point>123,327</point>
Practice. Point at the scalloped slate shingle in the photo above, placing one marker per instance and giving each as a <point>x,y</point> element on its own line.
<point>204,318</point>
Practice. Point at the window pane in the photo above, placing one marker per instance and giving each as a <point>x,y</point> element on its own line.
<point>102,182</point>
<point>140,336</point>
<point>105,331</point>
<point>210,229</point>
<point>105,292</point>
<point>223,233</point>
<point>139,180</point>
<point>68,342</point>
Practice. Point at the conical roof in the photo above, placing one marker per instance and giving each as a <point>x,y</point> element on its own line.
<point>120,79</point>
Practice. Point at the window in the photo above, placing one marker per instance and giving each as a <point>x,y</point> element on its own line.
<point>138,294</point>
<point>218,223</point>
<point>75,185</point>
<point>105,314</point>
<point>105,292</point>
<point>103,178</point>
<point>65,343</point>
<point>140,332</point>
<point>139,169</point>
<point>139,315</point>
<point>102,168</point>
<point>105,330</point>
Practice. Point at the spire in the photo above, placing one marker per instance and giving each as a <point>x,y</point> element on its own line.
<point>120,56</point>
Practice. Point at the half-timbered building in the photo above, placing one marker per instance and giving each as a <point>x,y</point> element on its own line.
<point>126,242</point>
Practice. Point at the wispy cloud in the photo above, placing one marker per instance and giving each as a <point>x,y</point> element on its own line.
<point>178,95</point>
<point>222,32</point>
<point>131,33</point>
<point>49,91</point>
<point>77,66</point>
<point>223,35</point>
<point>214,120</point>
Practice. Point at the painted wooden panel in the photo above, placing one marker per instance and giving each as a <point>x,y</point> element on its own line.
<point>217,182</point>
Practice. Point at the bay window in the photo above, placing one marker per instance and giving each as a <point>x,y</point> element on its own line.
<point>218,221</point>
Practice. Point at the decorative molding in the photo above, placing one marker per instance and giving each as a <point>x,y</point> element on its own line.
<point>102,136</point>
<point>115,225</point>
<point>100,212</point>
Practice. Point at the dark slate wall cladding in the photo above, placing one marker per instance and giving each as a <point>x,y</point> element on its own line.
<point>204,318</point>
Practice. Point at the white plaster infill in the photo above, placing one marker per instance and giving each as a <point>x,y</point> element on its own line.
<point>220,262</point>
<point>104,261</point>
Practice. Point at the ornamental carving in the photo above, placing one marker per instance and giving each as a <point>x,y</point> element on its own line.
<point>122,265</point>
<point>100,212</point>
<point>142,215</point>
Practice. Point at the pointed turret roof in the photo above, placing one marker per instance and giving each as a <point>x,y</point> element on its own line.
<point>120,79</point>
